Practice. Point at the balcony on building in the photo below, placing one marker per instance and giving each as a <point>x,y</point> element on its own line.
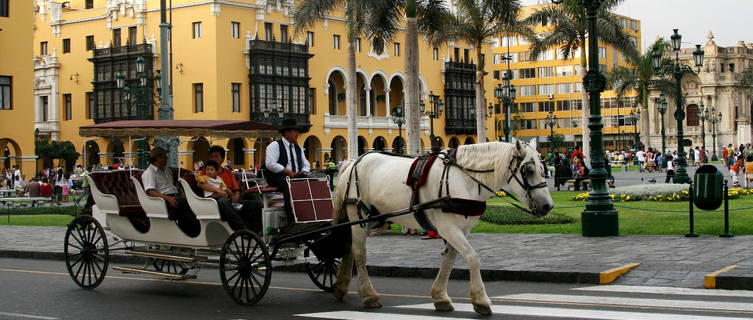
<point>108,102</point>
<point>279,78</point>
<point>460,96</point>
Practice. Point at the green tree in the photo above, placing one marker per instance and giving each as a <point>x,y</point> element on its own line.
<point>62,150</point>
<point>556,141</point>
<point>569,32</point>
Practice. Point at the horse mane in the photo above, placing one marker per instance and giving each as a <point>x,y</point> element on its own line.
<point>485,156</point>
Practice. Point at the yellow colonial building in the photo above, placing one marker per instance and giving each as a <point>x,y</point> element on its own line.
<point>552,83</point>
<point>16,79</point>
<point>232,60</point>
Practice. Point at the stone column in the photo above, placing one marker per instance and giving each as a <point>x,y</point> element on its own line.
<point>368,100</point>
<point>387,102</point>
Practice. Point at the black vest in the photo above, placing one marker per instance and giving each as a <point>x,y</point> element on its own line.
<point>283,159</point>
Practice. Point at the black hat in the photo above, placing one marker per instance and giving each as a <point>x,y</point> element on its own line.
<point>289,124</point>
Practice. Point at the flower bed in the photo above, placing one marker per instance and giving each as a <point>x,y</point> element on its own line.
<point>657,192</point>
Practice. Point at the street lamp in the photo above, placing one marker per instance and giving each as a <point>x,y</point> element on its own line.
<point>661,105</point>
<point>36,144</point>
<point>678,70</point>
<point>505,94</point>
<point>704,115</point>
<point>437,107</point>
<point>550,121</point>
<point>714,119</point>
<point>635,116</point>
<point>142,98</point>
<point>600,217</point>
<point>398,117</point>
<point>273,113</point>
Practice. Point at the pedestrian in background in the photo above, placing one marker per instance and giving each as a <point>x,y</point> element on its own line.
<point>670,169</point>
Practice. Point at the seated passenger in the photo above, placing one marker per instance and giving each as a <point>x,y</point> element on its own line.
<point>216,186</point>
<point>158,182</point>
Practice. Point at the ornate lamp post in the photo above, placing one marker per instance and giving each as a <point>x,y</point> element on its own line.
<point>491,114</point>
<point>398,117</point>
<point>661,106</point>
<point>714,119</point>
<point>36,142</point>
<point>437,107</point>
<point>703,117</point>
<point>677,70</point>
<point>505,94</point>
<point>600,217</point>
<point>273,114</point>
<point>550,121</point>
<point>635,116</point>
<point>142,98</point>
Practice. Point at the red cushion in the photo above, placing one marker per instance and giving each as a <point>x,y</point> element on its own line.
<point>118,183</point>
<point>262,189</point>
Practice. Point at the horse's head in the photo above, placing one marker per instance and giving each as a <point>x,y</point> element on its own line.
<point>528,180</point>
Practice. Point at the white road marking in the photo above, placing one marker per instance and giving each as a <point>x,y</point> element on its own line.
<point>25,316</point>
<point>356,315</point>
<point>670,290</point>
<point>574,313</point>
<point>635,302</point>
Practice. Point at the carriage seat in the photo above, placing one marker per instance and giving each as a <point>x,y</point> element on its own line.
<point>118,183</point>
<point>171,214</point>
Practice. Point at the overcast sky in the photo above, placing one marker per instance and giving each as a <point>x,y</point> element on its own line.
<point>729,20</point>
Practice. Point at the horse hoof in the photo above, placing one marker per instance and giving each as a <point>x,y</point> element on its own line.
<point>484,310</point>
<point>443,306</point>
<point>340,294</point>
<point>372,303</point>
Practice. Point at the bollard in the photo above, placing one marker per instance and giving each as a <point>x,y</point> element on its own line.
<point>692,233</point>
<point>726,233</point>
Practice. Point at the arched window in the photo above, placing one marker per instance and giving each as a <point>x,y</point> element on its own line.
<point>332,98</point>
<point>692,115</point>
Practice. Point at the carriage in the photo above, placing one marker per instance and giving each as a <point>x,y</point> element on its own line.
<point>143,227</point>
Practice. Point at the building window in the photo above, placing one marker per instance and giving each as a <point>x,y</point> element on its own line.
<point>336,41</point>
<point>309,38</point>
<point>45,104</point>
<point>564,88</point>
<point>198,97</point>
<point>546,106</point>
<point>43,48</point>
<point>465,56</point>
<point>6,85</point>
<point>563,71</point>
<point>396,49</point>
<point>603,68</point>
<point>731,67</point>
<point>236,94</point>
<point>132,35</point>
<point>495,75</point>
<point>235,30</point>
<point>527,91</point>
<point>546,89</point>
<point>4,8</point>
<point>602,53</point>
<point>692,115</point>
<point>108,104</point>
<point>66,45</point>
<point>67,106</point>
<point>546,72</point>
<point>377,45</point>
<point>332,94</point>
<point>268,32</point>
<point>89,43</point>
<point>435,54</point>
<point>358,44</point>
<point>90,105</point>
<point>527,73</point>
<point>312,100</point>
<point>283,33</point>
<point>89,4</point>
<point>528,107</point>
<point>633,25</point>
<point>527,124</point>
<point>196,30</point>
<point>116,37</point>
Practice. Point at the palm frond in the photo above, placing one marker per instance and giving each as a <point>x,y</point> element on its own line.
<point>309,12</point>
<point>383,19</point>
<point>434,21</point>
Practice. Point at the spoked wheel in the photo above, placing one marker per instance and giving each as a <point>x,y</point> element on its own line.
<point>324,272</point>
<point>86,252</point>
<point>245,267</point>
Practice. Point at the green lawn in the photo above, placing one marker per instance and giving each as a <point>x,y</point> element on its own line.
<point>59,220</point>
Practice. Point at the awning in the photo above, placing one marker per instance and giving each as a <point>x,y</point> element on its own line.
<point>175,128</point>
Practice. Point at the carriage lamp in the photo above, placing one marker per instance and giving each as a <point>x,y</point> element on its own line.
<point>677,70</point>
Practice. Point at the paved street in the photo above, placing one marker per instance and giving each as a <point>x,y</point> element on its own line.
<point>293,296</point>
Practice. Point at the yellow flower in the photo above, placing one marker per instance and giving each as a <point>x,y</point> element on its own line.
<point>627,198</point>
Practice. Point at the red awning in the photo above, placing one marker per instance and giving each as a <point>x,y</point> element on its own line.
<point>174,128</point>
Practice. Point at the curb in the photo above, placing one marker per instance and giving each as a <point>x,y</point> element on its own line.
<point>730,278</point>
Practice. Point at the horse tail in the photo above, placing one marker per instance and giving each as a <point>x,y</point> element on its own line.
<point>340,195</point>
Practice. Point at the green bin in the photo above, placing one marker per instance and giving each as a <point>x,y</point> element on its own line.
<point>708,189</point>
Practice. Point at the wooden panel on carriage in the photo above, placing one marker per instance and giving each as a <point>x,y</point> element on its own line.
<point>312,200</point>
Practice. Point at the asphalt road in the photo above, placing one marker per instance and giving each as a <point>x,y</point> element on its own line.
<point>41,289</point>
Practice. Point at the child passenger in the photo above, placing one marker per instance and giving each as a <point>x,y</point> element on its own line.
<point>219,189</point>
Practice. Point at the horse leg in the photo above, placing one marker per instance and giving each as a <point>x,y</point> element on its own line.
<point>442,301</point>
<point>369,296</point>
<point>344,275</point>
<point>457,239</point>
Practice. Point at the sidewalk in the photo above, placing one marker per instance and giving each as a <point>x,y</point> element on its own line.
<point>664,260</point>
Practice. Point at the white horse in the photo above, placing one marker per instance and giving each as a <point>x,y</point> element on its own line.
<point>382,186</point>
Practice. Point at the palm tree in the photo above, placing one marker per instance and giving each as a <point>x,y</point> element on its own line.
<point>569,32</point>
<point>357,16</point>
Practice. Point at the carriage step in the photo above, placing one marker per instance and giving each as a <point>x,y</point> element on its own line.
<point>172,276</point>
<point>163,256</point>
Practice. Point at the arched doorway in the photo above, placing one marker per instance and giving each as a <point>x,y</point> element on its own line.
<point>312,148</point>
<point>118,152</point>
<point>396,93</point>
<point>379,144</point>
<point>398,145</point>
<point>361,95</point>
<point>454,142</point>
<point>235,153</point>
<point>336,93</point>
<point>469,140</point>
<point>692,115</point>
<point>10,151</point>
<point>91,152</point>
<point>200,151</point>
<point>361,145</point>
<point>339,148</point>
<point>378,95</point>
<point>439,142</point>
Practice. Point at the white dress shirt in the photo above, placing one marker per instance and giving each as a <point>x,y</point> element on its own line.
<point>273,154</point>
<point>158,180</point>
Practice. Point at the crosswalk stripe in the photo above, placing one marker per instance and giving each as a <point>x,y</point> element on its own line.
<point>669,290</point>
<point>636,302</point>
<point>574,313</point>
<point>357,315</point>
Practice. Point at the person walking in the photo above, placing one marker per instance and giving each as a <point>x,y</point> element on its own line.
<point>670,169</point>
<point>641,159</point>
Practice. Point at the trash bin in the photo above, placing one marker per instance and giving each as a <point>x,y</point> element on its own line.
<point>708,188</point>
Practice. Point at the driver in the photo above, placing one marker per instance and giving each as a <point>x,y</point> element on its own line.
<point>285,159</point>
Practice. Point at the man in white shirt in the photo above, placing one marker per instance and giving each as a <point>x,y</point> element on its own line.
<point>158,182</point>
<point>641,159</point>
<point>285,158</point>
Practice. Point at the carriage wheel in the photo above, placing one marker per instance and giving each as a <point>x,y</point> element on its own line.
<point>324,273</point>
<point>245,267</point>
<point>86,252</point>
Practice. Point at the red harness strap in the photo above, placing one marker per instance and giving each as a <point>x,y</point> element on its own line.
<point>419,171</point>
